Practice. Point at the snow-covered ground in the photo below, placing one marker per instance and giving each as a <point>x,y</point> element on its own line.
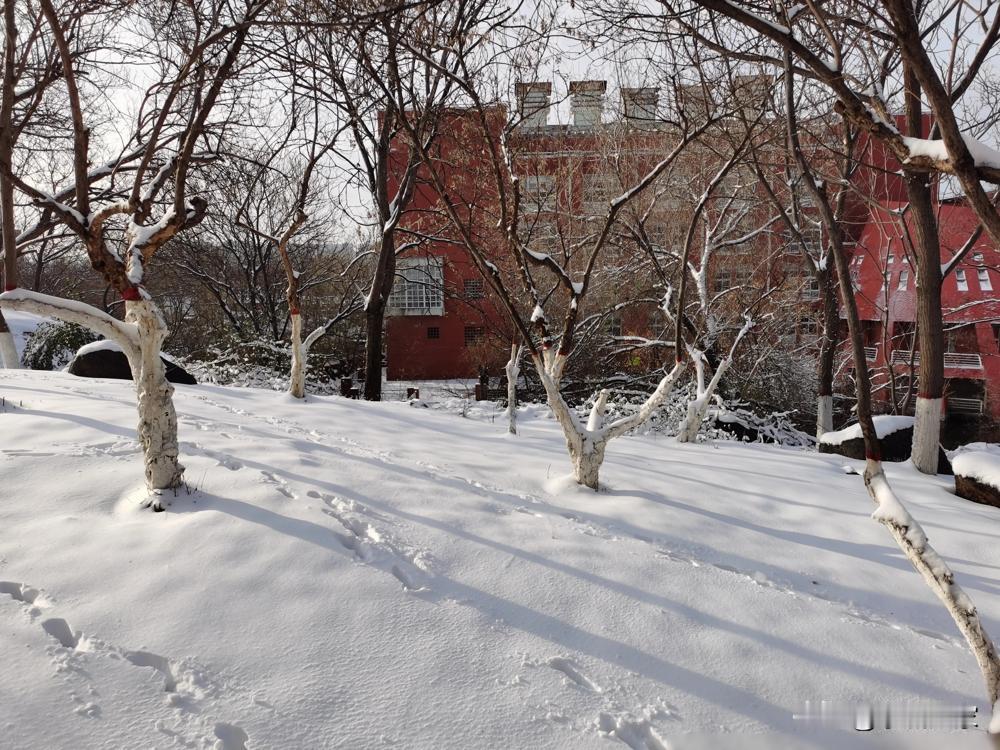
<point>357,575</point>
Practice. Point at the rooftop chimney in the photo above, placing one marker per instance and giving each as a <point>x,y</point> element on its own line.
<point>586,100</point>
<point>640,105</point>
<point>533,103</point>
<point>695,101</point>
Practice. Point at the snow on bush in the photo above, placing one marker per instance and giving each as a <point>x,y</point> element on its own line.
<point>52,345</point>
<point>262,364</point>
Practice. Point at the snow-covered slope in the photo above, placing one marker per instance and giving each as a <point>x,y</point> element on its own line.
<point>358,575</point>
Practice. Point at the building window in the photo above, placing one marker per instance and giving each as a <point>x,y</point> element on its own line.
<point>599,190</point>
<point>858,260</point>
<point>996,335</point>
<point>961,281</point>
<point>904,279</point>
<point>809,327</point>
<point>812,241</point>
<point>419,287</point>
<point>855,279</point>
<point>474,335</point>
<point>890,258</point>
<point>539,193</point>
<point>433,332</point>
<point>977,257</point>
<point>474,289</point>
<point>723,281</point>
<point>984,280</point>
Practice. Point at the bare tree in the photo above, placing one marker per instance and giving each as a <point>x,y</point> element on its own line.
<point>351,71</point>
<point>172,136</point>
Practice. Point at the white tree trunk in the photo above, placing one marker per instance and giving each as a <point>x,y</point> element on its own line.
<point>824,416</point>
<point>926,435</point>
<point>8,351</point>
<point>587,460</point>
<point>157,428</point>
<point>586,445</point>
<point>140,337</point>
<point>513,370</point>
<point>688,431</point>
<point>697,408</point>
<point>297,381</point>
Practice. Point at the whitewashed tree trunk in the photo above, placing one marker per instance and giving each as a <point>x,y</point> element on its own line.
<point>696,409</point>
<point>926,434</point>
<point>157,428</point>
<point>587,459</point>
<point>513,371</point>
<point>824,416</point>
<point>8,351</point>
<point>587,444</point>
<point>140,338</point>
<point>297,381</point>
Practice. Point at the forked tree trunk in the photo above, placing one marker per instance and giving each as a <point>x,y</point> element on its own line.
<point>157,428</point>
<point>587,443</point>
<point>698,408</point>
<point>8,350</point>
<point>297,380</point>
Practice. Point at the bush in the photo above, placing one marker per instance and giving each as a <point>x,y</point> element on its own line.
<point>264,364</point>
<point>51,346</point>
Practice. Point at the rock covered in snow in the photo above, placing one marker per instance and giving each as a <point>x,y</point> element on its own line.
<point>977,473</point>
<point>105,359</point>
<point>895,438</point>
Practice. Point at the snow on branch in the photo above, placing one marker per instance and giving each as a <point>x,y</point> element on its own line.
<point>124,334</point>
<point>656,398</point>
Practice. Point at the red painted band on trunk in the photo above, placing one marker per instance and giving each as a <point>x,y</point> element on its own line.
<point>10,287</point>
<point>294,310</point>
<point>927,396</point>
<point>873,457</point>
<point>131,294</point>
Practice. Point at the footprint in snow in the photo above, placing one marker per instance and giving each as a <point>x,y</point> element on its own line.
<point>573,672</point>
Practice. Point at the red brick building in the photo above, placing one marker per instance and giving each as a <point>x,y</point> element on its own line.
<point>443,323</point>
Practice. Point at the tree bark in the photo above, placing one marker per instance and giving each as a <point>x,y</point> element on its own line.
<point>157,429</point>
<point>297,380</point>
<point>513,370</point>
<point>587,458</point>
<point>827,354</point>
<point>374,319</point>
<point>930,328</point>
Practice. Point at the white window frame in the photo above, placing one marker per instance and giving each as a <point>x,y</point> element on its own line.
<point>961,280</point>
<point>904,279</point>
<point>985,284</point>
<point>419,287</point>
